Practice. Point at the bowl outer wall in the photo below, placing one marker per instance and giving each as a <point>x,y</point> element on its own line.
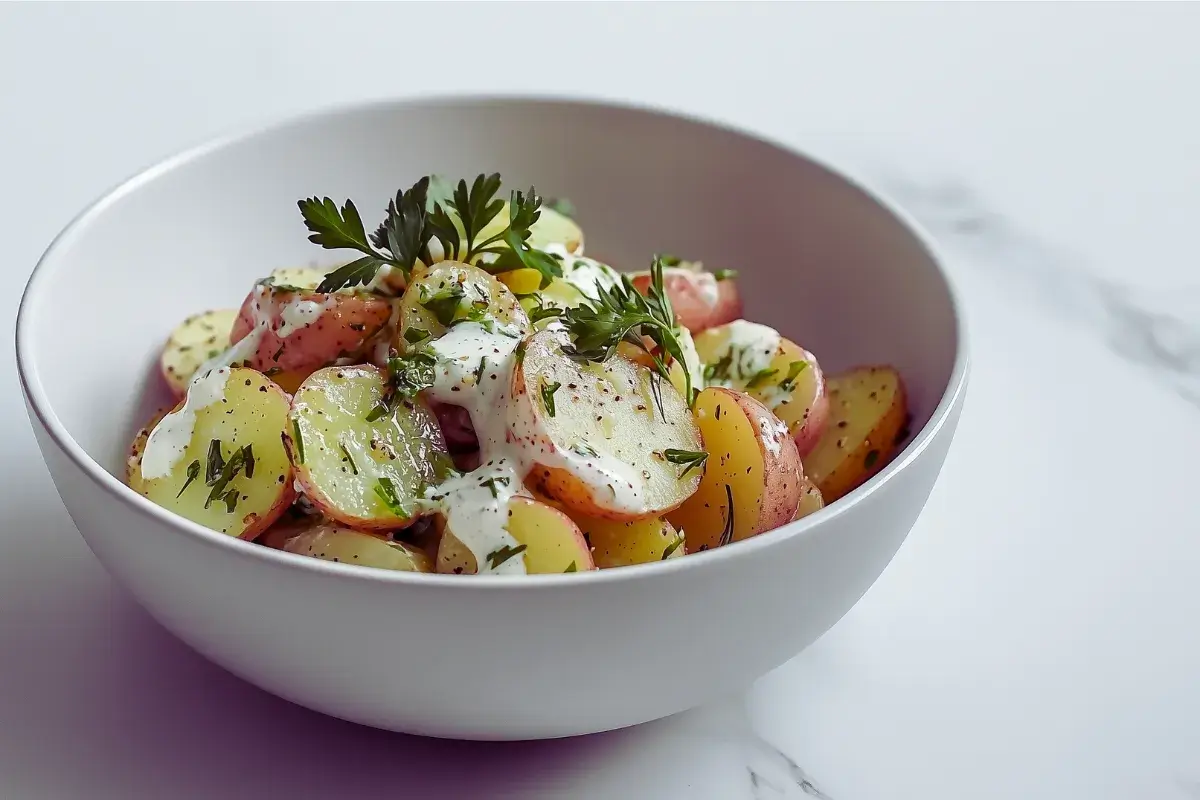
<point>507,661</point>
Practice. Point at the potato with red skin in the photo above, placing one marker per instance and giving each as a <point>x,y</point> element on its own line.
<point>699,300</point>
<point>752,479</point>
<point>772,369</point>
<point>302,331</point>
<point>248,415</point>
<point>553,544</point>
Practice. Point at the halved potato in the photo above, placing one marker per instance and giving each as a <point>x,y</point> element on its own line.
<point>291,524</point>
<point>598,432</point>
<point>366,473</point>
<point>197,339</point>
<point>810,500</point>
<point>450,291</point>
<point>217,459</point>
<point>300,278</point>
<point>302,331</point>
<point>547,540</point>
<point>699,300</point>
<point>752,478</point>
<point>623,544</point>
<point>867,410</point>
<point>774,370</point>
<point>330,541</point>
<point>582,280</point>
<point>134,460</point>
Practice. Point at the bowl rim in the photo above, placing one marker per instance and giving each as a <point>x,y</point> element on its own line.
<point>40,407</point>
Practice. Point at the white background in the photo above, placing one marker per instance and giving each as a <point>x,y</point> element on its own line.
<point>1037,635</point>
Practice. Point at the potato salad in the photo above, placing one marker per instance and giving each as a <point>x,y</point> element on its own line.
<point>472,394</point>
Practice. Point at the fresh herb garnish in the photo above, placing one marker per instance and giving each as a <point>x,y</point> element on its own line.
<point>725,274</point>
<point>621,314</point>
<point>386,491</point>
<point>794,370</point>
<point>411,373</point>
<point>220,485</point>
<point>444,303</point>
<point>548,390</point>
<point>415,335</point>
<point>214,462</point>
<point>870,459</point>
<point>380,411</point>
<point>688,459</point>
<point>656,394</point>
<point>492,482</point>
<point>349,458</point>
<point>760,377</point>
<point>298,439</point>
<point>727,532</point>
<point>584,449</point>
<point>719,371</point>
<point>672,547</point>
<point>498,557</point>
<point>571,568</point>
<point>193,470</point>
<point>542,311</point>
<point>248,460</point>
<point>480,370</point>
<point>231,500</point>
<point>669,260</point>
<point>399,241</point>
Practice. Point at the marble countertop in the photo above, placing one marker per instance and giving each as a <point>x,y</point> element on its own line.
<point>1035,637</point>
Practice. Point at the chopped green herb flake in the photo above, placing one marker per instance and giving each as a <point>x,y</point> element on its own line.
<point>349,458</point>
<point>688,459</point>
<point>725,274</point>
<point>298,440</point>
<point>548,390</point>
<point>193,470</point>
<point>498,557</point>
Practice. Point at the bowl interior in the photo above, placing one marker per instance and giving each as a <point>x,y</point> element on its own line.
<point>819,259</point>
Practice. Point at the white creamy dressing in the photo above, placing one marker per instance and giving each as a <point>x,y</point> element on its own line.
<point>587,275</point>
<point>170,438</point>
<point>298,313</point>
<point>511,441</point>
<point>773,433</point>
<point>750,348</point>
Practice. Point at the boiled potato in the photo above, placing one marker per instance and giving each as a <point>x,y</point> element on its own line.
<point>299,278</point>
<point>582,280</point>
<point>810,500</point>
<point>134,460</point>
<point>198,338</point>
<point>597,432</point>
<point>623,544</point>
<point>217,459</point>
<point>547,540</point>
<point>290,525</point>
<point>448,292</point>
<point>330,541</point>
<point>361,461</point>
<point>867,411</point>
<point>752,478</point>
<point>302,331</point>
<point>774,370</point>
<point>680,371</point>
<point>699,300</point>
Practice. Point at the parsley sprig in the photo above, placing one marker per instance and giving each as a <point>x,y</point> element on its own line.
<point>622,314</point>
<point>430,210</point>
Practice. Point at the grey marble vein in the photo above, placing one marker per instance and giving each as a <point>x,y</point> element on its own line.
<point>787,778</point>
<point>1158,330</point>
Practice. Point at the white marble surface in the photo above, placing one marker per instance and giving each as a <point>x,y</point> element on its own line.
<point>1036,636</point>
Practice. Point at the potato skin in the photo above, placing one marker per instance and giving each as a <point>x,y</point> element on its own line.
<point>696,308</point>
<point>868,408</point>
<point>251,410</point>
<point>751,461</point>
<point>810,500</point>
<point>343,327</point>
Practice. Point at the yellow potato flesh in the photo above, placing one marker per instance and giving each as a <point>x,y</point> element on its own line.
<point>867,411</point>
<point>482,295</point>
<point>553,543</point>
<point>299,277</point>
<point>789,403</point>
<point>346,457</point>
<point>735,469</point>
<point>623,544</point>
<point>330,542</point>
<point>810,501</point>
<point>252,412</point>
<point>197,339</point>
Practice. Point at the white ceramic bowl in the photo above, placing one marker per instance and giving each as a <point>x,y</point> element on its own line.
<point>823,260</point>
